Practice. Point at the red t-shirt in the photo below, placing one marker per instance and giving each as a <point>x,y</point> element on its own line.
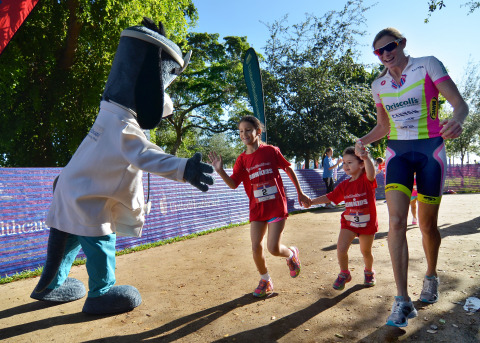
<point>262,182</point>
<point>360,215</point>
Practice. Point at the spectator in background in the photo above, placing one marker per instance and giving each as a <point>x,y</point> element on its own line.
<point>380,162</point>
<point>413,201</point>
<point>328,167</point>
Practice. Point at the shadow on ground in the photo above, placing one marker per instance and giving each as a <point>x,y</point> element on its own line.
<point>186,325</point>
<point>21,329</point>
<point>269,333</point>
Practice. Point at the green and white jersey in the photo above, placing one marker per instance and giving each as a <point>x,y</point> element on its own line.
<point>412,105</point>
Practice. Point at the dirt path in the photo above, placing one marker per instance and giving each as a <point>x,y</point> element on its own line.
<point>199,290</point>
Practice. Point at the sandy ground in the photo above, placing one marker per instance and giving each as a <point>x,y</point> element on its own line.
<point>199,290</point>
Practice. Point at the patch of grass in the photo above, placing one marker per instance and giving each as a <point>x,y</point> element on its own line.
<point>175,239</point>
<point>80,261</point>
<point>466,191</point>
<point>304,211</point>
<point>23,275</point>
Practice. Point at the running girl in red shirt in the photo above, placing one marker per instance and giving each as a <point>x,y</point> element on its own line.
<point>360,215</point>
<point>257,168</point>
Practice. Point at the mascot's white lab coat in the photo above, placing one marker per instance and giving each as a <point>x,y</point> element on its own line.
<point>104,191</point>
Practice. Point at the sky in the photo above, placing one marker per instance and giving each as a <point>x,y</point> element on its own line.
<point>449,35</point>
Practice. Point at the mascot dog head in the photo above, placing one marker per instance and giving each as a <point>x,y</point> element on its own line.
<point>145,64</point>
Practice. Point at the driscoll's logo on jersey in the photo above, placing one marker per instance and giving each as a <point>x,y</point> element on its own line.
<point>433,108</point>
<point>395,105</point>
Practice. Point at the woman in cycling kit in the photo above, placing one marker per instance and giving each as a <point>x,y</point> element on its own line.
<point>406,98</point>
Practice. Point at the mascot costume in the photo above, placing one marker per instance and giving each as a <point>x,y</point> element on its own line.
<point>99,194</point>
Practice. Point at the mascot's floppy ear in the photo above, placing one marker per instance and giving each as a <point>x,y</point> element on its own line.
<point>145,64</point>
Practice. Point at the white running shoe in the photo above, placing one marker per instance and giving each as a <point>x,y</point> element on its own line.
<point>429,293</point>
<point>402,311</point>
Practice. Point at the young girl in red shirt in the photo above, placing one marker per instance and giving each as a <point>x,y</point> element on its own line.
<point>257,168</point>
<point>360,215</point>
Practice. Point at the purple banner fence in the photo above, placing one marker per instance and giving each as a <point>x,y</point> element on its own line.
<point>462,179</point>
<point>178,209</point>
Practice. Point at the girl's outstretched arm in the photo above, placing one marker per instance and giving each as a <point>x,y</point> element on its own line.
<point>217,163</point>
<point>304,200</point>
<point>320,200</point>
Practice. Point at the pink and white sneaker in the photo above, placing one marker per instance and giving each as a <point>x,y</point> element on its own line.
<point>294,263</point>
<point>263,288</point>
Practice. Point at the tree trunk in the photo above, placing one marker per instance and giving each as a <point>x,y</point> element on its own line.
<point>461,170</point>
<point>44,154</point>
<point>67,55</point>
<point>307,161</point>
<point>178,140</point>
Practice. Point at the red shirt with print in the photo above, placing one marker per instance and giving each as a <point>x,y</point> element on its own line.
<point>360,215</point>
<point>262,182</point>
<point>381,166</point>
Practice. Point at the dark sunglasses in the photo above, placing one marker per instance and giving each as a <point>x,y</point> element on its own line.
<point>389,47</point>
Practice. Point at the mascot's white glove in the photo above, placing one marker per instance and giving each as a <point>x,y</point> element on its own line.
<point>195,172</point>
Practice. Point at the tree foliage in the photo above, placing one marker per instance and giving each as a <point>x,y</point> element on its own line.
<point>211,86</point>
<point>317,95</point>
<point>54,70</point>
<point>434,5</point>
<point>228,146</point>
<point>469,141</point>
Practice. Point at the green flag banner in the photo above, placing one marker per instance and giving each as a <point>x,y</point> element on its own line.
<point>253,79</point>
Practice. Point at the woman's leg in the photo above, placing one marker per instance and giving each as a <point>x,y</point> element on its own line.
<point>257,232</point>
<point>398,204</point>
<point>431,239</point>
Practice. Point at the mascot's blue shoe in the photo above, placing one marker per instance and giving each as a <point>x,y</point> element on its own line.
<point>72,289</point>
<point>118,299</point>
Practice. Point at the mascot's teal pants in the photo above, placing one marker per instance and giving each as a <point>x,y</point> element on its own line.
<point>100,253</point>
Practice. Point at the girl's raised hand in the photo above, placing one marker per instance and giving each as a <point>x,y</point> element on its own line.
<point>360,150</point>
<point>215,160</point>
